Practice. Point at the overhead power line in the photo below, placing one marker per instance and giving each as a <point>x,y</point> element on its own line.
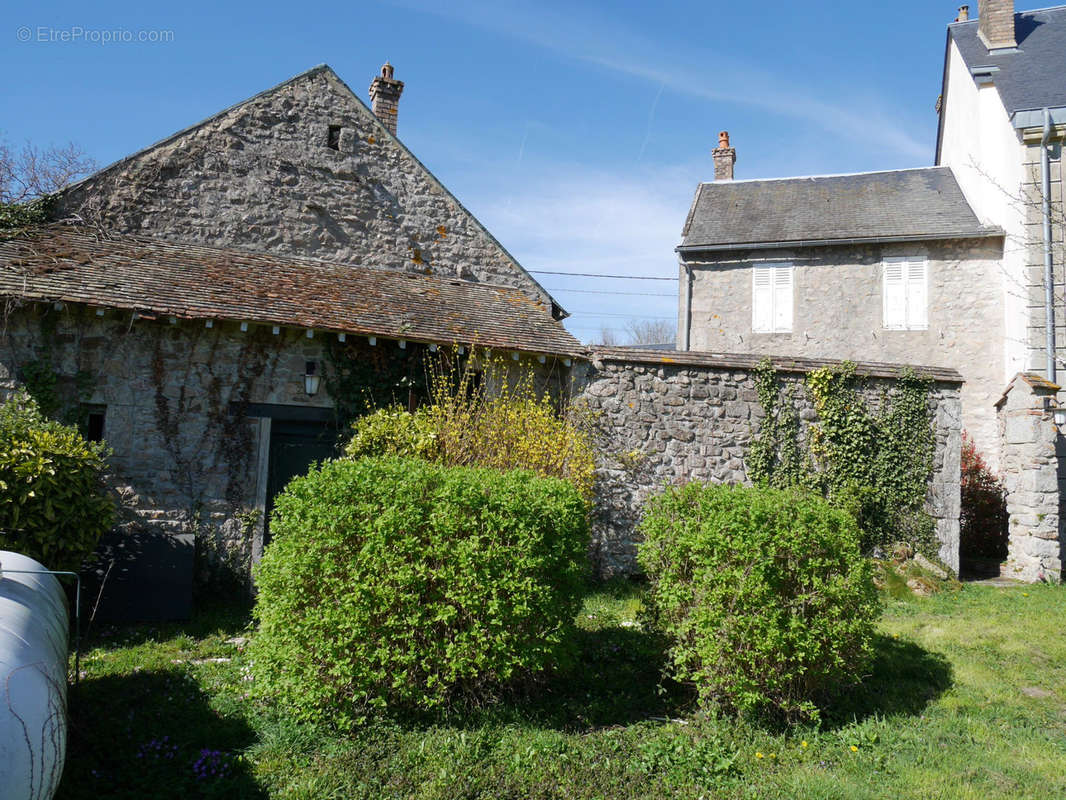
<point>628,294</point>
<point>597,275</point>
<point>589,313</point>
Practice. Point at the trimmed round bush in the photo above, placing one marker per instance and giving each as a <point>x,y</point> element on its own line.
<point>54,505</point>
<point>764,594</point>
<point>399,584</point>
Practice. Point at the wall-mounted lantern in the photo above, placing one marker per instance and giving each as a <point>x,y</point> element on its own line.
<point>311,379</point>
<point>1060,416</point>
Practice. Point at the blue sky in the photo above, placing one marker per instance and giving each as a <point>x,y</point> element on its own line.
<point>576,131</point>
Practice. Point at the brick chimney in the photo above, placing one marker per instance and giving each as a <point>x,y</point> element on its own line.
<point>964,14</point>
<point>724,158</point>
<point>995,23</point>
<point>385,94</point>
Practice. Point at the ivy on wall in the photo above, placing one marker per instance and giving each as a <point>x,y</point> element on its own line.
<point>59,396</point>
<point>875,462</point>
<point>362,377</point>
<point>17,218</point>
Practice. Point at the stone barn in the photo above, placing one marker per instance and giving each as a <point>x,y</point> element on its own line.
<point>216,305</point>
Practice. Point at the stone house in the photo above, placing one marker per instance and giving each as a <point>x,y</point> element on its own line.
<point>209,304</point>
<point>882,267</point>
<point>942,266</point>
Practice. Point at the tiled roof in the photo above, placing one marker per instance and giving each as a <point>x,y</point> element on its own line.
<point>1032,76</point>
<point>910,204</point>
<point>189,281</point>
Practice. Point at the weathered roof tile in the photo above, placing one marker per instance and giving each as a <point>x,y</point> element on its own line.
<point>191,281</point>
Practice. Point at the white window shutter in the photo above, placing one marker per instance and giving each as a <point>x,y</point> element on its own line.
<point>895,293</point>
<point>782,297</point>
<point>762,299</point>
<point>917,300</point>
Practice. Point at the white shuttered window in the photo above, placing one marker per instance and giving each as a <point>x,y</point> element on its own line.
<point>771,298</point>
<point>906,294</point>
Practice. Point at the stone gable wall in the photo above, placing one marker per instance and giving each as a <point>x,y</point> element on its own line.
<point>262,177</point>
<point>669,424</point>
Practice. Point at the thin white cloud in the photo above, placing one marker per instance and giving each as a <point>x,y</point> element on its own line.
<point>573,219</point>
<point>703,75</point>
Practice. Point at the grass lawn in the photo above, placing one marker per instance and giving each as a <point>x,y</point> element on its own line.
<point>967,699</point>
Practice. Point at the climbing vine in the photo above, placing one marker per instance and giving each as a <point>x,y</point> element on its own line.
<point>777,457</point>
<point>875,462</point>
<point>362,377</point>
<point>59,396</point>
<point>17,218</point>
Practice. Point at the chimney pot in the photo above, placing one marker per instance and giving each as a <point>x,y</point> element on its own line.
<point>995,24</point>
<point>964,14</point>
<point>385,94</point>
<point>724,158</point>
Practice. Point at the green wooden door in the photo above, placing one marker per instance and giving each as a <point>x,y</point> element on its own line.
<point>294,446</point>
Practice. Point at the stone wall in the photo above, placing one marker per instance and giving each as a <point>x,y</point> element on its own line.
<point>262,176</point>
<point>667,419</point>
<point>837,314</point>
<point>186,460</point>
<point>1032,459</point>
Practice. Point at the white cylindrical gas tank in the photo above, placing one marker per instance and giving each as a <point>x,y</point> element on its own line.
<point>34,625</point>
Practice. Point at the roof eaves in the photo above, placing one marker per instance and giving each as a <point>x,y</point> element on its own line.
<point>983,233</point>
<point>1034,117</point>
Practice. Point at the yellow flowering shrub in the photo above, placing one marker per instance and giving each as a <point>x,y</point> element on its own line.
<point>485,413</point>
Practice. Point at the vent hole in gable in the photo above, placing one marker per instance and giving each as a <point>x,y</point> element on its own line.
<point>333,140</point>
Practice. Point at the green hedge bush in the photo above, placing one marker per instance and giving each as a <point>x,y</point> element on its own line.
<point>764,595</point>
<point>396,583</point>
<point>54,506</point>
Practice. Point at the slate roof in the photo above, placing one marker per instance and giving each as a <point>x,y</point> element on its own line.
<point>902,205</point>
<point>1034,76</point>
<point>190,281</point>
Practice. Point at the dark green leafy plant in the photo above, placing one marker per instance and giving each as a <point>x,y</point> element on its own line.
<point>875,464</point>
<point>53,503</point>
<point>16,218</point>
<point>396,583</point>
<point>763,593</point>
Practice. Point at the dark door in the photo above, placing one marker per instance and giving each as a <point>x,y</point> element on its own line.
<point>294,446</point>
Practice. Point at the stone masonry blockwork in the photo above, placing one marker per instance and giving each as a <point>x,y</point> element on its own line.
<point>262,176</point>
<point>661,425</point>
<point>1032,459</point>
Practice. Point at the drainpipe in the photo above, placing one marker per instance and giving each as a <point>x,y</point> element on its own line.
<point>1049,274</point>
<point>687,344</point>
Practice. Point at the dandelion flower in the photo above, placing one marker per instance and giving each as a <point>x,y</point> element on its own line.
<point>803,743</point>
<point>854,749</point>
<point>758,755</point>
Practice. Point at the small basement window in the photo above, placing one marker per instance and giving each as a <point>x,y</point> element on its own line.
<point>333,140</point>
